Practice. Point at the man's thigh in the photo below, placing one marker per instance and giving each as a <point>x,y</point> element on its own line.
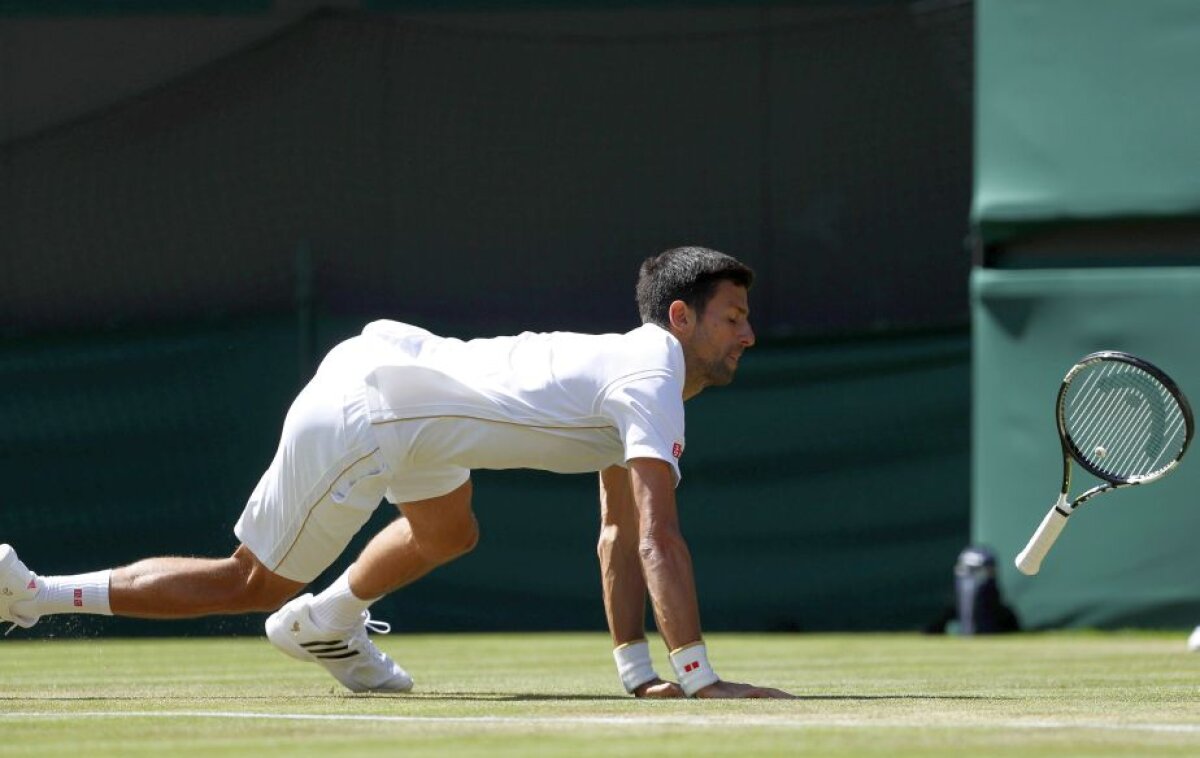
<point>326,479</point>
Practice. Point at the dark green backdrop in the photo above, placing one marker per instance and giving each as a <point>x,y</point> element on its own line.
<point>176,252</point>
<point>825,489</point>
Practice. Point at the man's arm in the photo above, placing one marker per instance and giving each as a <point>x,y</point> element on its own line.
<point>667,570</point>
<point>664,555</point>
<point>621,576</point>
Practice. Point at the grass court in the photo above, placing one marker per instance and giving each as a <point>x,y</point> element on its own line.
<point>1059,694</point>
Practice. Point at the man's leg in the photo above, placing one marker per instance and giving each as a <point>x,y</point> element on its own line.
<point>163,588</point>
<point>322,485</point>
<point>431,533</point>
<point>166,588</point>
<point>330,629</point>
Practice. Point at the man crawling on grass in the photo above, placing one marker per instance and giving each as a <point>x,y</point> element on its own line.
<point>402,414</point>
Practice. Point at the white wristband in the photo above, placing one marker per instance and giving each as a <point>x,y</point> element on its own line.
<point>692,668</point>
<point>633,664</point>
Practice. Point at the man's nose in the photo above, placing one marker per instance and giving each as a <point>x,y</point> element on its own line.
<point>748,335</point>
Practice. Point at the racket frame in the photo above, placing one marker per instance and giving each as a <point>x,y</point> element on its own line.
<point>1030,559</point>
<point>1071,451</point>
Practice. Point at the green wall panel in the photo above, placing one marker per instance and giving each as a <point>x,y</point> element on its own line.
<point>1085,109</point>
<point>1128,558</point>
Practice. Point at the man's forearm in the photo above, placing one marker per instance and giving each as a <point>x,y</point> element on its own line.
<point>668,569</point>
<point>667,566</point>
<point>620,569</point>
<point>623,587</point>
<point>666,562</point>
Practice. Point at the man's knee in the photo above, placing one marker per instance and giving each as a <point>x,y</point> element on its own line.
<point>257,588</point>
<point>470,537</point>
<point>267,596</point>
<point>452,541</point>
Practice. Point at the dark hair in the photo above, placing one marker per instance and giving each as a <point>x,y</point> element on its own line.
<point>690,274</point>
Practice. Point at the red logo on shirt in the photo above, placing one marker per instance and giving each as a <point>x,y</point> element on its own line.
<point>78,598</point>
<point>677,450</point>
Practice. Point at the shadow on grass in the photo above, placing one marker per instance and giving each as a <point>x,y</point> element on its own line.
<point>449,696</point>
<point>511,697</point>
<point>492,697</point>
<point>903,697</point>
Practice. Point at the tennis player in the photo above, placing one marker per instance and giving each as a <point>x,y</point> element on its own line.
<point>398,413</point>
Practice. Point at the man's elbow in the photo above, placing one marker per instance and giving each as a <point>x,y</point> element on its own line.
<point>609,537</point>
<point>658,545</point>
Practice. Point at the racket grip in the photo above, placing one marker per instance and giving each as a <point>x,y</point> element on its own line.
<point>1029,561</point>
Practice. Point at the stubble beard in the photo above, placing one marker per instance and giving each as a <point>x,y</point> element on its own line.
<point>719,373</point>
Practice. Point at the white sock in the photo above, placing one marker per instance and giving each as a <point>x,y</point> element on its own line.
<point>338,608</point>
<point>80,593</point>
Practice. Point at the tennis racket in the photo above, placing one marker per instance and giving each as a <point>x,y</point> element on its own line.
<point>1124,421</point>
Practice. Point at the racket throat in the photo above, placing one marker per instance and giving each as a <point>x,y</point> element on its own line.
<point>1063,506</point>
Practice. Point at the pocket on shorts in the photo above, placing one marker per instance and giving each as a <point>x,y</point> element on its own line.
<point>362,484</point>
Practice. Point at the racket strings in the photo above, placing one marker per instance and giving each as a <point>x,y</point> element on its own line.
<point>1140,429</point>
<point>1123,421</point>
<point>1119,420</point>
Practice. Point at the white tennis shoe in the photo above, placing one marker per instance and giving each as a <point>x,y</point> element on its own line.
<point>17,583</point>
<point>350,656</point>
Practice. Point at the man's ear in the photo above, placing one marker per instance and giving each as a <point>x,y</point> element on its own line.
<point>681,316</point>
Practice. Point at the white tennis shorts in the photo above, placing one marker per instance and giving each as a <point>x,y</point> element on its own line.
<point>329,473</point>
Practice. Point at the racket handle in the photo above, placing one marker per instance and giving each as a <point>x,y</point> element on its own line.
<point>1029,561</point>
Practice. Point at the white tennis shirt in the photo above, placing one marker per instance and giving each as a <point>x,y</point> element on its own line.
<point>558,401</point>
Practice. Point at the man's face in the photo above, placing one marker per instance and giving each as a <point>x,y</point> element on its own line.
<point>722,332</point>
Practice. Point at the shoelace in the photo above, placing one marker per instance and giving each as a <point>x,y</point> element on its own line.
<point>361,641</point>
<point>379,627</point>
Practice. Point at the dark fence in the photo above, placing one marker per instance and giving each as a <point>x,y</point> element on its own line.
<point>174,261</point>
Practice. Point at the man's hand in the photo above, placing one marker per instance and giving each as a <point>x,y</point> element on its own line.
<point>658,688</point>
<point>736,689</point>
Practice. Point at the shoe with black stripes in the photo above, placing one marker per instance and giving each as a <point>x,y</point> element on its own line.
<point>350,656</point>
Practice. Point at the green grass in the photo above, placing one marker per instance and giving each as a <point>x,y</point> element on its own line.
<point>1129,694</point>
